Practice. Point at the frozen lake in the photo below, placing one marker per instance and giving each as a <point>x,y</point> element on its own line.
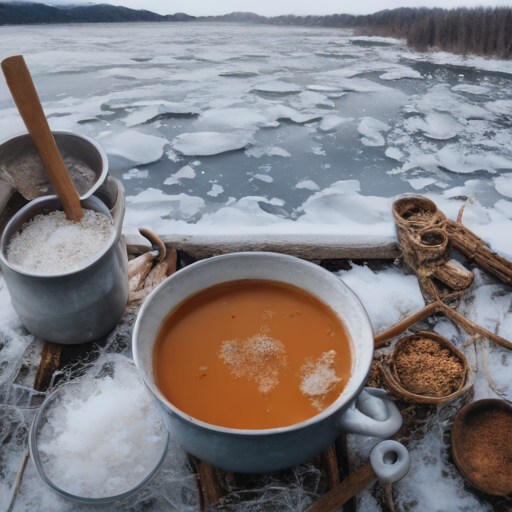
<point>218,128</point>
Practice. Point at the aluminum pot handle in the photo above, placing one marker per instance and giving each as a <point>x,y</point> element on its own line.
<point>390,461</point>
<point>371,414</point>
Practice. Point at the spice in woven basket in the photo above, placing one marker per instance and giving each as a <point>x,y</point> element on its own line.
<point>425,367</point>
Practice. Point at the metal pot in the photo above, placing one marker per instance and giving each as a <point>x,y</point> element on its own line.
<point>358,411</point>
<point>80,305</point>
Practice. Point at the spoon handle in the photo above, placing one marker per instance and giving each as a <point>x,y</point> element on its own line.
<point>25,96</point>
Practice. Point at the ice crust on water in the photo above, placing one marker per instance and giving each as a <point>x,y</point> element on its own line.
<point>103,435</point>
<point>186,172</point>
<point>436,126</point>
<point>51,244</point>
<point>397,74</point>
<point>210,143</point>
<point>371,129</point>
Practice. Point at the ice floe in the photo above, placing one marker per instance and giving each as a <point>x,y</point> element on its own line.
<point>371,129</point>
<point>216,190</point>
<point>258,152</point>
<point>138,174</point>
<point>308,185</point>
<point>331,123</point>
<point>134,146</point>
<point>186,172</point>
<point>210,143</point>
<point>278,87</point>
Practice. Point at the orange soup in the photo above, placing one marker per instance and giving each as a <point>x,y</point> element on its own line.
<point>252,354</point>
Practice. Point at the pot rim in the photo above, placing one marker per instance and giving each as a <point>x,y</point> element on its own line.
<point>341,401</point>
<point>87,263</point>
<point>92,142</point>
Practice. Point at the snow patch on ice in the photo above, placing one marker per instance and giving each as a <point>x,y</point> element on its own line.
<point>277,87</point>
<point>264,177</point>
<point>331,123</point>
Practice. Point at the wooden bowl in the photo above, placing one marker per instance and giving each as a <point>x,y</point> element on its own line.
<point>392,378</point>
<point>482,446</point>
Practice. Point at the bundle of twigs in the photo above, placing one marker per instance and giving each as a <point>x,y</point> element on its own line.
<point>476,251</point>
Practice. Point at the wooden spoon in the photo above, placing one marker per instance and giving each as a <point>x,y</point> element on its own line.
<point>25,96</point>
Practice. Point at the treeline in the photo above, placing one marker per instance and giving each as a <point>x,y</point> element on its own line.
<point>483,31</point>
<point>479,31</point>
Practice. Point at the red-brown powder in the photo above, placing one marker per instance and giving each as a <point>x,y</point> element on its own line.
<point>485,451</point>
<point>425,367</point>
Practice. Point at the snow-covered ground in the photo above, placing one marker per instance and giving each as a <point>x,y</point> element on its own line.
<point>219,129</point>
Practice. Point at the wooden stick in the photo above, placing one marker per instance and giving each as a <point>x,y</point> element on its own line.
<point>350,487</point>
<point>397,329</point>
<point>25,96</point>
<point>470,327</point>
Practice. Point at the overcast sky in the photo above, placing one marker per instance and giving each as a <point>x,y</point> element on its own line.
<point>277,7</point>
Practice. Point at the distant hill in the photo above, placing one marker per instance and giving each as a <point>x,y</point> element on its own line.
<point>29,13</point>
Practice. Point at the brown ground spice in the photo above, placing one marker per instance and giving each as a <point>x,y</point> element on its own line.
<point>425,367</point>
<point>485,448</point>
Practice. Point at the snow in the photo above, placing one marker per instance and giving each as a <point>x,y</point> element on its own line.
<point>388,296</point>
<point>186,172</point>
<point>210,143</point>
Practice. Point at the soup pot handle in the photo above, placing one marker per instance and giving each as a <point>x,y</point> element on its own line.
<point>371,414</point>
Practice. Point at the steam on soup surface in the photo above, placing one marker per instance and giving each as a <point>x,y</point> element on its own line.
<point>252,354</point>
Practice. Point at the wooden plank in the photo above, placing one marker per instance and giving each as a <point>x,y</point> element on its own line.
<point>309,247</point>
